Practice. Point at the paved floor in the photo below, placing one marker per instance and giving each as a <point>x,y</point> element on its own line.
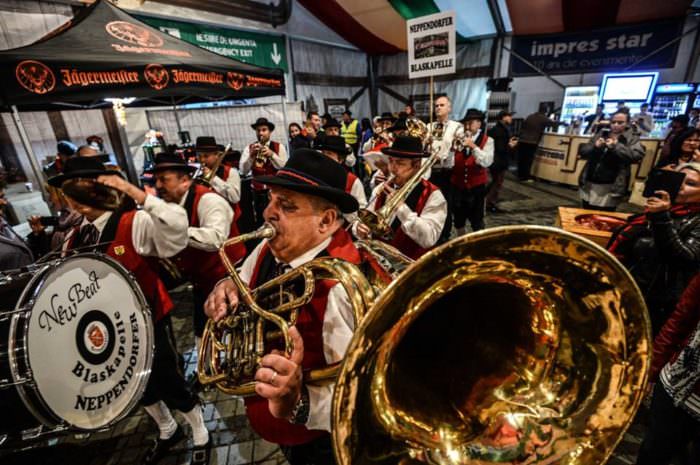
<point>234,442</point>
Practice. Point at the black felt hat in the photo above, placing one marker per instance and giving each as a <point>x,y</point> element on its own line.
<point>387,116</point>
<point>81,167</point>
<point>474,113</point>
<point>310,172</point>
<point>168,161</point>
<point>399,125</point>
<point>334,144</point>
<point>263,122</point>
<point>207,144</point>
<point>331,123</point>
<point>406,147</point>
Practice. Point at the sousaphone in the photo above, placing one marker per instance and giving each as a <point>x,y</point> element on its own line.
<point>519,344</point>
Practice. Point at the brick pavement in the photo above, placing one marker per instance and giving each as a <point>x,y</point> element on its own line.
<point>234,442</point>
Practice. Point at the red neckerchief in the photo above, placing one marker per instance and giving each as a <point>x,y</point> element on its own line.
<point>623,235</point>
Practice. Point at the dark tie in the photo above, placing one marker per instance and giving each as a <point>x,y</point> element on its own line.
<point>89,235</point>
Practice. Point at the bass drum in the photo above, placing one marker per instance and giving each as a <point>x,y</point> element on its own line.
<point>76,348</point>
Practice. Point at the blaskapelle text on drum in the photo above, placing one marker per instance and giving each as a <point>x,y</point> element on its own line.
<point>90,375</point>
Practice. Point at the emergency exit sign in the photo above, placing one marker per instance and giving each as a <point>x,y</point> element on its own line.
<point>264,50</point>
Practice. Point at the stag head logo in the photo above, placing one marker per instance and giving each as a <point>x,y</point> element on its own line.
<point>133,34</point>
<point>235,80</point>
<point>156,76</point>
<point>35,76</point>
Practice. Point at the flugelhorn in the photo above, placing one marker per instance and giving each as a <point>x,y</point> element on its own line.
<point>231,349</point>
<point>517,344</point>
<point>379,222</point>
<point>258,156</point>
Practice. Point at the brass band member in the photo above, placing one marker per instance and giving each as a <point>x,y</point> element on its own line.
<point>420,219</point>
<point>226,181</point>
<point>129,236</point>
<point>262,158</point>
<point>443,130</point>
<point>335,148</point>
<point>474,154</point>
<point>307,200</point>
<point>211,222</point>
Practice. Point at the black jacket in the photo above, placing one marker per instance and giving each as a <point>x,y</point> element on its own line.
<point>500,134</point>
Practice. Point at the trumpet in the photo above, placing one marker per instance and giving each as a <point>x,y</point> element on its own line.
<point>259,157</point>
<point>460,141</point>
<point>231,350</point>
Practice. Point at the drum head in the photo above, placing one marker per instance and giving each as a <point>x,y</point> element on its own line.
<point>88,341</point>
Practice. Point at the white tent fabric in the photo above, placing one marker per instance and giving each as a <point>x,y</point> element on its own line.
<point>464,93</point>
<point>229,124</point>
<point>24,21</point>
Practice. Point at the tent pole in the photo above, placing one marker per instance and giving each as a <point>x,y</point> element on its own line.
<point>284,114</point>
<point>177,117</point>
<point>36,169</point>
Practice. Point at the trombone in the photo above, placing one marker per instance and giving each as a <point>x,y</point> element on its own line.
<point>206,178</point>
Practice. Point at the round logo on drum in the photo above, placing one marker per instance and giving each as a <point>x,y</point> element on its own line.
<point>96,337</point>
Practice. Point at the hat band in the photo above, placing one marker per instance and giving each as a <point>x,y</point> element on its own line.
<point>402,152</point>
<point>301,176</point>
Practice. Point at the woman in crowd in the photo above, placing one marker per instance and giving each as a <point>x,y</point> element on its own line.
<point>661,247</point>
<point>367,131</point>
<point>684,148</point>
<point>609,154</point>
<point>296,138</point>
<point>675,407</point>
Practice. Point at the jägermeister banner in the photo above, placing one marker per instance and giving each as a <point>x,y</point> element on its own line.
<point>249,47</point>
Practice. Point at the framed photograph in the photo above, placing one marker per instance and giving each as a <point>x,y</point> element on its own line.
<point>335,107</point>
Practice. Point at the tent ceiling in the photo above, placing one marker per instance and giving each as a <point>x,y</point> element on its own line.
<point>379,26</point>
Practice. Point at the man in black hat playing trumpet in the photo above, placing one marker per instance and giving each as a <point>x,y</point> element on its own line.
<point>307,201</point>
<point>115,227</point>
<point>226,181</point>
<point>419,219</point>
<point>262,158</point>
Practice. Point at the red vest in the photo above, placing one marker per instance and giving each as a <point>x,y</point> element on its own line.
<point>122,249</point>
<point>350,181</point>
<point>310,325</point>
<point>416,201</point>
<point>467,174</point>
<point>266,169</point>
<point>204,268</point>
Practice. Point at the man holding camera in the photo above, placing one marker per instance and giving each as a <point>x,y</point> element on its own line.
<point>609,154</point>
<point>644,121</point>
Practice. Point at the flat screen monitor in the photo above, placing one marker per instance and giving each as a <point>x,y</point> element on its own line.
<point>675,88</point>
<point>628,87</point>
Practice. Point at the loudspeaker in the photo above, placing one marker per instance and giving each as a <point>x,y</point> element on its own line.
<point>498,85</point>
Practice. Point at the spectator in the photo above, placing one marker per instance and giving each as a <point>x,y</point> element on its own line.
<point>604,179</point>
<point>675,406</point>
<point>593,120</point>
<point>643,120</point>
<point>530,135</point>
<point>661,247</point>
<point>367,131</point>
<point>622,106</point>
<point>694,117</point>
<point>314,120</point>
<point>14,253</point>
<point>678,125</point>
<point>504,144</point>
<point>296,138</point>
<point>684,148</point>
<point>409,110</point>
<point>64,150</point>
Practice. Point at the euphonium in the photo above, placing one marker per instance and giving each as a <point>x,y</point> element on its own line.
<point>378,222</point>
<point>231,349</point>
<point>258,156</point>
<point>518,344</point>
<point>460,141</point>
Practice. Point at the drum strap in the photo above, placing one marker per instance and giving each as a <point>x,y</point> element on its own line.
<point>110,230</point>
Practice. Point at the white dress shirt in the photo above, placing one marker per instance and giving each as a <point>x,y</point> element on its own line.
<point>444,145</point>
<point>338,326</point>
<point>278,159</point>
<point>159,229</point>
<point>229,189</point>
<point>425,228</point>
<point>358,191</point>
<point>484,157</point>
<point>215,216</point>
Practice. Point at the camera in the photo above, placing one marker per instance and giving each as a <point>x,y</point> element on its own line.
<point>48,220</point>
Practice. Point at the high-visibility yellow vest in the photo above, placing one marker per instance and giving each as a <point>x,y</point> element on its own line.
<point>349,132</point>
